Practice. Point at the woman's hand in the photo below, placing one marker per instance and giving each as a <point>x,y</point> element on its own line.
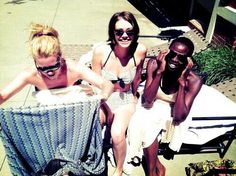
<point>87,89</point>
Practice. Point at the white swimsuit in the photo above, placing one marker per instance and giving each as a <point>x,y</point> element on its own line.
<point>119,98</point>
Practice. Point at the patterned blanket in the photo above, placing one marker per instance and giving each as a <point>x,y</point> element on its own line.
<point>53,139</point>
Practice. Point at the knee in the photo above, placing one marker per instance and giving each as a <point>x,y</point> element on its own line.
<point>106,115</point>
<point>118,135</point>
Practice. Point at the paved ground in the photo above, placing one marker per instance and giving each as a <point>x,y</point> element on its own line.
<point>83,23</point>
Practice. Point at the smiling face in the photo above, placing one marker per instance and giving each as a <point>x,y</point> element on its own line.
<point>124,34</point>
<point>123,29</point>
<point>177,57</point>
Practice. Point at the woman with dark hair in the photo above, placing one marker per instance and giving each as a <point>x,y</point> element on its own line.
<point>117,61</point>
<point>169,91</point>
<point>129,18</point>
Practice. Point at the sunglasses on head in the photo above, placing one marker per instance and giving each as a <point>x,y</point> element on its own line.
<point>120,32</point>
<point>50,68</point>
<point>172,54</point>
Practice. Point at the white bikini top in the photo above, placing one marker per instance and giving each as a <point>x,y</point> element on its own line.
<point>126,77</point>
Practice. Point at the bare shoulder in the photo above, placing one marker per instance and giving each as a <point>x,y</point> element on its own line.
<point>73,65</point>
<point>100,53</point>
<point>28,75</point>
<point>75,68</point>
<point>140,53</point>
<point>194,78</point>
<point>141,48</point>
<point>101,49</point>
<point>28,72</point>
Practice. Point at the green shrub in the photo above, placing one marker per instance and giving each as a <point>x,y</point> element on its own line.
<point>218,63</point>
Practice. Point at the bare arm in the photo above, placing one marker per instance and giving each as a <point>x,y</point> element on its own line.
<point>155,68</point>
<point>17,84</point>
<point>105,85</point>
<point>138,76</point>
<point>97,61</point>
<point>97,80</point>
<point>189,86</point>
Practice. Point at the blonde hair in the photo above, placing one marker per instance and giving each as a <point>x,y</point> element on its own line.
<point>44,41</point>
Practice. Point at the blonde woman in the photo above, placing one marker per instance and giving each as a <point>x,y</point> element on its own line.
<point>50,69</point>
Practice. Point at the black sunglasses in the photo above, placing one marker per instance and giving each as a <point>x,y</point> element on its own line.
<point>120,33</point>
<point>49,68</point>
<point>39,34</point>
<point>172,54</point>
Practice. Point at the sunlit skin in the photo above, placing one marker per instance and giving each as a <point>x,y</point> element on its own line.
<point>51,71</point>
<point>172,75</point>
<point>174,63</point>
<point>46,62</point>
<point>124,50</point>
<point>117,131</point>
<point>125,40</point>
<point>66,75</point>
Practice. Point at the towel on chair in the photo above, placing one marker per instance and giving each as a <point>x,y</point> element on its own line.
<point>66,135</point>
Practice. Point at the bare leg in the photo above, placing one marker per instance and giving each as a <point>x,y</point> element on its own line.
<point>118,132</point>
<point>106,115</point>
<point>154,166</point>
<point>119,150</point>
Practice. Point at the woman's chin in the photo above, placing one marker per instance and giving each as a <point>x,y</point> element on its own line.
<point>124,44</point>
